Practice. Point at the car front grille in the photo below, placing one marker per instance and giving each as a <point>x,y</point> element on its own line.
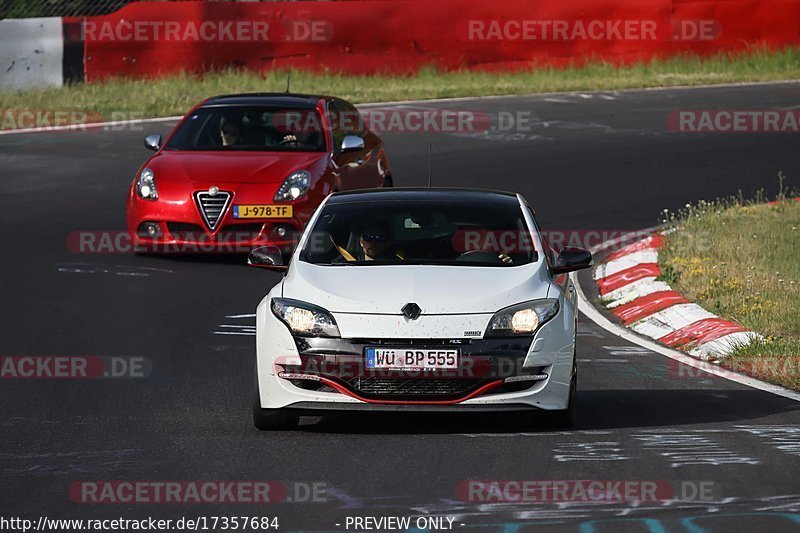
<point>412,388</point>
<point>212,207</point>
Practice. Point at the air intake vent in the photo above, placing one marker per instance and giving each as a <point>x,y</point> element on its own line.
<point>212,207</point>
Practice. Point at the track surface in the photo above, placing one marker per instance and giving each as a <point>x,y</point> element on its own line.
<point>596,161</point>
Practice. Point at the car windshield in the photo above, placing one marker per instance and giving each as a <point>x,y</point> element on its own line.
<point>253,128</point>
<point>464,233</point>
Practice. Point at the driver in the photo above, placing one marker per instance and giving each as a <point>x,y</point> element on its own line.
<point>230,133</point>
<point>375,243</point>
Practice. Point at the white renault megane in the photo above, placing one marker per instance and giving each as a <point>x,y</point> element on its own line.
<point>418,299</point>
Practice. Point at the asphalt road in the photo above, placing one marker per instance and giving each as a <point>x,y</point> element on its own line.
<point>584,161</point>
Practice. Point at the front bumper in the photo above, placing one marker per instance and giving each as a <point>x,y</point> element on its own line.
<point>182,229</point>
<point>494,374</point>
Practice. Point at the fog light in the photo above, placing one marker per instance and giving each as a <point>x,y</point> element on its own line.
<point>283,232</point>
<point>150,230</point>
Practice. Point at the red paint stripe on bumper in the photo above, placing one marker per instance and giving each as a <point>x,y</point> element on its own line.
<point>477,392</point>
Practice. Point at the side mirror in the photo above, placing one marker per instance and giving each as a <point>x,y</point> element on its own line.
<point>153,142</point>
<point>352,143</point>
<point>571,259</point>
<point>269,257</point>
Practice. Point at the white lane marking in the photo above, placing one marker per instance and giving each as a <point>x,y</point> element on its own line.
<point>119,270</point>
<point>595,316</point>
<point>687,450</point>
<point>621,92</point>
<point>248,330</point>
<point>625,350</point>
<point>588,451</point>
<point>784,438</point>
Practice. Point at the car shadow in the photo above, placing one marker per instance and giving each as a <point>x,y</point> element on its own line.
<point>597,410</point>
<point>202,258</point>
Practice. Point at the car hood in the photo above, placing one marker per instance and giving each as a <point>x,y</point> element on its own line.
<point>436,289</point>
<point>213,168</point>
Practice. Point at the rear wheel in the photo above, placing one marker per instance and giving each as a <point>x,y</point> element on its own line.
<point>271,419</point>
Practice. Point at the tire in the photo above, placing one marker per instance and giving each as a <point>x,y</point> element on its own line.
<point>566,418</point>
<point>388,181</point>
<point>271,419</point>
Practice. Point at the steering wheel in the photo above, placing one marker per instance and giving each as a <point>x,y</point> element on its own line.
<point>289,138</point>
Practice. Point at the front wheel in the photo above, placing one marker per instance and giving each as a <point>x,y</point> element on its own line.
<point>271,419</point>
<point>565,418</point>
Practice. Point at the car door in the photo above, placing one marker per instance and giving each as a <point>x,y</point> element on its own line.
<point>357,169</point>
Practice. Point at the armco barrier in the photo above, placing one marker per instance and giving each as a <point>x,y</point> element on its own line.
<point>30,53</point>
<point>400,36</point>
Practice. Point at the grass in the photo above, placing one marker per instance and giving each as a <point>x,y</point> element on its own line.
<point>741,260</point>
<point>174,95</point>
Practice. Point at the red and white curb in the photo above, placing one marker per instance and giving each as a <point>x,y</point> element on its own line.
<point>628,286</point>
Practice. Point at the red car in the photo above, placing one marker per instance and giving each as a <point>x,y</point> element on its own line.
<point>247,170</point>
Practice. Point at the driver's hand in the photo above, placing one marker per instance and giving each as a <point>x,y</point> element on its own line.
<point>505,258</point>
<point>290,137</point>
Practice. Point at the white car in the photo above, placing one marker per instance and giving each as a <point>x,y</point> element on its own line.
<point>418,299</point>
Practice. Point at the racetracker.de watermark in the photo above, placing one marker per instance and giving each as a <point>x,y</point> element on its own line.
<point>73,367</point>
<point>197,492</point>
<point>571,30</point>
<point>69,119</point>
<point>585,490</point>
<point>769,367</point>
<point>734,121</point>
<point>209,31</point>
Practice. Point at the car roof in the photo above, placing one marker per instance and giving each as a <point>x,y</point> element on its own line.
<point>299,101</point>
<point>427,194</point>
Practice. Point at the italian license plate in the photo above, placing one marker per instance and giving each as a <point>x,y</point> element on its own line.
<point>262,211</point>
<point>411,358</point>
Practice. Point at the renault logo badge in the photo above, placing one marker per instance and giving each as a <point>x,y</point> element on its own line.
<point>411,311</point>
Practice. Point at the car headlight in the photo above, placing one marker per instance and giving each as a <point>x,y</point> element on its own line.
<point>522,319</point>
<point>293,187</point>
<point>304,319</point>
<point>146,185</point>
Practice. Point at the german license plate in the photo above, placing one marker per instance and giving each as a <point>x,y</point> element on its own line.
<point>262,211</point>
<point>411,358</point>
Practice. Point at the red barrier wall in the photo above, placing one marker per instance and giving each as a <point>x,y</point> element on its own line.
<point>400,36</point>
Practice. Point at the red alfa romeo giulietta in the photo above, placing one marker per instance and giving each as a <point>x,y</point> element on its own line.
<point>248,170</point>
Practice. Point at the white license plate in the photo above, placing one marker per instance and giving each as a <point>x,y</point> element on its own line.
<point>411,358</point>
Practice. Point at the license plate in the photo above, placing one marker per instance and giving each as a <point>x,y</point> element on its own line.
<point>411,358</point>
<point>262,211</point>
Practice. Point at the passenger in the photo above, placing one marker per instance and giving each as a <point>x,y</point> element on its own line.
<point>230,133</point>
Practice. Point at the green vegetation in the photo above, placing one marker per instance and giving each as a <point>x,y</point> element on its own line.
<point>174,95</point>
<point>741,260</point>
